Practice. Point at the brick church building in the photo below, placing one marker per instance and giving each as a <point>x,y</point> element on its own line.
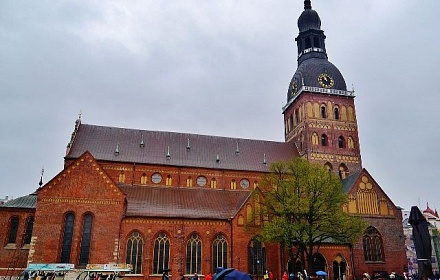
<point>158,199</point>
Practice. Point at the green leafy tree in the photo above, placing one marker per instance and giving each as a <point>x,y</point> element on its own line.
<point>303,206</point>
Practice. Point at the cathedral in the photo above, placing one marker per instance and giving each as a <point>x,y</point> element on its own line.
<point>179,201</point>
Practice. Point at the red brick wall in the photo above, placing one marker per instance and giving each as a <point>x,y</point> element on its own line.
<point>80,189</point>
<point>7,252</point>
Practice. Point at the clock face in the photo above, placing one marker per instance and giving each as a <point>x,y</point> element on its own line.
<point>325,80</point>
<point>244,183</point>
<point>156,178</point>
<point>201,181</point>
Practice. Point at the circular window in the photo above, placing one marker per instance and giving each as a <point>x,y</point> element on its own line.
<point>156,178</point>
<point>244,183</point>
<point>201,181</point>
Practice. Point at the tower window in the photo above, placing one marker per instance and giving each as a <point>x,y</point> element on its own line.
<point>324,140</point>
<point>341,142</point>
<point>350,142</point>
<point>323,112</point>
<point>336,113</point>
<point>316,43</point>
<point>308,43</point>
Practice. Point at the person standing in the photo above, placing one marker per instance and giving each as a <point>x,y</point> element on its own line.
<point>285,276</point>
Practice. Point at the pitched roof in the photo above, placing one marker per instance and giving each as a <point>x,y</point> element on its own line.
<point>192,203</point>
<point>184,149</point>
<point>28,201</point>
<point>348,182</point>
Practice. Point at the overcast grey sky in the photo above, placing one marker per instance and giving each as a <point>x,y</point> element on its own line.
<point>215,67</point>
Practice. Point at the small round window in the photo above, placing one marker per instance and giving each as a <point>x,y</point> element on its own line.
<point>156,178</point>
<point>244,183</point>
<point>201,181</point>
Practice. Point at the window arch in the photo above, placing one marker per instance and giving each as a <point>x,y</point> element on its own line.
<point>233,184</point>
<point>194,255</point>
<point>66,248</point>
<point>144,179</point>
<point>341,142</point>
<point>169,180</point>
<point>28,230</point>
<point>13,229</point>
<point>336,113</point>
<point>134,252</point>
<point>256,257</point>
<point>323,112</point>
<point>373,245</point>
<point>324,140</point>
<point>315,139</point>
<point>86,239</point>
<point>121,178</point>
<point>350,142</point>
<point>219,252</point>
<point>213,183</point>
<point>189,181</point>
<point>161,253</point>
<point>343,171</point>
<point>328,166</point>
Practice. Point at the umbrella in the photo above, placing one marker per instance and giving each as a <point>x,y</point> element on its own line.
<point>422,242</point>
<point>321,273</point>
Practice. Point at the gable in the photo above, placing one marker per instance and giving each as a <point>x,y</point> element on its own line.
<point>84,179</point>
<point>366,197</point>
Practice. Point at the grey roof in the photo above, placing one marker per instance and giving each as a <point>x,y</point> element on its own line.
<point>348,182</point>
<point>203,151</point>
<point>193,203</point>
<point>309,70</point>
<point>28,201</point>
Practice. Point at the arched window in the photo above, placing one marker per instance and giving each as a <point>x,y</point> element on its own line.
<point>66,248</point>
<point>121,178</point>
<point>161,253</point>
<point>13,229</point>
<point>324,140</point>
<point>213,183</point>
<point>194,255</point>
<point>373,246</point>
<point>219,252</point>
<point>315,139</point>
<point>328,166</point>
<point>144,179</point>
<point>350,142</point>
<point>341,142</point>
<point>323,112</point>
<point>297,119</point>
<point>134,252</point>
<point>169,180</point>
<point>336,113</point>
<point>189,182</point>
<point>256,257</point>
<point>28,230</point>
<point>343,171</point>
<point>86,240</point>
<point>233,184</point>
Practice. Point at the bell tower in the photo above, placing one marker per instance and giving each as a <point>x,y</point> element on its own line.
<point>320,115</point>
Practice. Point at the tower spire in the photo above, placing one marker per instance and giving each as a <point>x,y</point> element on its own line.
<point>307,4</point>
